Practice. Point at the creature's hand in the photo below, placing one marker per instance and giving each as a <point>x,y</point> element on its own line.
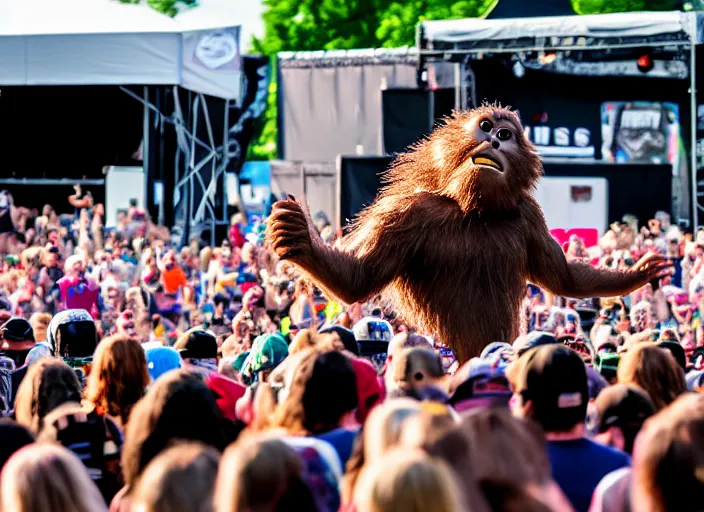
<point>649,267</point>
<point>289,231</point>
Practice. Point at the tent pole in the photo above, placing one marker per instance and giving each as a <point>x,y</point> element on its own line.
<point>693,133</point>
<point>146,152</point>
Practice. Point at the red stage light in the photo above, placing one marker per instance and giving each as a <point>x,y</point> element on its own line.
<point>645,63</point>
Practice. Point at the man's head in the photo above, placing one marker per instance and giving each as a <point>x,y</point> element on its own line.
<point>75,266</point>
<point>617,415</point>
<point>550,385</point>
<point>17,339</point>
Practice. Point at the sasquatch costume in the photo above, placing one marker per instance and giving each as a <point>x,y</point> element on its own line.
<point>455,234</point>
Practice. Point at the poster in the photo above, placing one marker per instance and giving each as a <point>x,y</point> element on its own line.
<point>640,132</point>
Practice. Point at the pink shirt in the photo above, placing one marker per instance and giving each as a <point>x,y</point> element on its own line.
<point>79,293</point>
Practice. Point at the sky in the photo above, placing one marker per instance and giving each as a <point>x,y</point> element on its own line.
<point>251,19</point>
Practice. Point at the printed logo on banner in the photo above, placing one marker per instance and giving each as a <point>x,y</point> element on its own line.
<point>216,49</point>
<point>561,142</point>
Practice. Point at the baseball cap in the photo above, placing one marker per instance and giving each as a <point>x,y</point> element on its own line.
<point>17,329</point>
<point>554,379</point>
<point>607,364</point>
<point>373,335</point>
<point>345,335</point>
<point>621,405</point>
<point>677,351</point>
<point>417,365</point>
<point>197,344</point>
<point>532,340</point>
<point>486,384</point>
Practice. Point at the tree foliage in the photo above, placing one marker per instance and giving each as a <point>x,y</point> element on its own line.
<point>168,7</point>
<point>609,6</point>
<point>308,25</point>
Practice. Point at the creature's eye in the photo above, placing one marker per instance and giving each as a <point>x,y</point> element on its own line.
<point>504,134</point>
<point>485,125</point>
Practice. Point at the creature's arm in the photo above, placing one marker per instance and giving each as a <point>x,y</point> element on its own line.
<point>362,264</point>
<point>548,268</point>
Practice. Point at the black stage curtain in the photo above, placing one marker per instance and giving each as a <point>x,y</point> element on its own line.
<point>638,189</point>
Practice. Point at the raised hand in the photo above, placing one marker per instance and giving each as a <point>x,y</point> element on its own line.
<point>650,267</point>
<point>289,231</point>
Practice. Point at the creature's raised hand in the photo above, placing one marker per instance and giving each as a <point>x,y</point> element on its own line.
<point>290,231</point>
<point>649,267</point>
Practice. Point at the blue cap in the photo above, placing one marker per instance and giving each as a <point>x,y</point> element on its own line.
<point>161,360</point>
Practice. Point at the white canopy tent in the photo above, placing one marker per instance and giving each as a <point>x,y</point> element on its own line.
<point>570,31</point>
<point>105,42</point>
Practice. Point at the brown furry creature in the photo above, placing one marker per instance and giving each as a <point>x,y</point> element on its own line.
<point>456,234</point>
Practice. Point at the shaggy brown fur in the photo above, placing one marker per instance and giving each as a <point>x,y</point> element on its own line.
<point>456,241</point>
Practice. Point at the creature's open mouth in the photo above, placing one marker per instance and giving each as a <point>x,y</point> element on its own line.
<point>486,161</point>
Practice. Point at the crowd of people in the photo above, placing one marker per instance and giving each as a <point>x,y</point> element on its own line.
<point>140,376</point>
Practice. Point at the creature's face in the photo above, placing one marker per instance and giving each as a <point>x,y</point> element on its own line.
<point>485,158</point>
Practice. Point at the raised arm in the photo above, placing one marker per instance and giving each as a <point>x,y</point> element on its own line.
<point>362,264</point>
<point>548,268</point>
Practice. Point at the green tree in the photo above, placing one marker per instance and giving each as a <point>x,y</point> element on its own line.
<point>168,7</point>
<point>397,25</point>
<point>608,6</point>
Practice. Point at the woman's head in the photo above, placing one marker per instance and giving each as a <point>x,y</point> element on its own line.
<point>118,377</point>
<point>262,473</point>
<point>43,477</point>
<point>668,457</point>
<point>654,370</point>
<point>179,478</point>
<point>179,406</point>
<point>408,481</point>
<point>48,384</point>
<point>493,433</point>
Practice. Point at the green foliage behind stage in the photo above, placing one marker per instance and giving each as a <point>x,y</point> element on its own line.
<point>307,25</point>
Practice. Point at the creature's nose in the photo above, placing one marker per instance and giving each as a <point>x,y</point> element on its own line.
<point>495,144</point>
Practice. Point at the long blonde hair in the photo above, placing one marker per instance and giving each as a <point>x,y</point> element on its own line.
<point>47,477</point>
<point>408,481</point>
<point>180,478</point>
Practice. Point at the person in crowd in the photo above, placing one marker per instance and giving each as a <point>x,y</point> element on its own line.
<point>550,386</point>
<point>655,371</point>
<point>180,478</point>
<point>618,414</point>
<point>42,477</point>
<point>118,379</point>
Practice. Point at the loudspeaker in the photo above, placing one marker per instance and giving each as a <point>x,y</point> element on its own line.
<point>360,179</point>
<point>408,115</point>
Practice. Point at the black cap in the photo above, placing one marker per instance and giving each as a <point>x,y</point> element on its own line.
<point>346,337</point>
<point>554,379</point>
<point>622,406</point>
<point>197,345</point>
<point>677,351</point>
<point>17,329</point>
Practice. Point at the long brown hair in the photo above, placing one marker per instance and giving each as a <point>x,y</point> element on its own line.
<point>653,370</point>
<point>668,458</point>
<point>179,478</point>
<point>118,377</point>
<point>48,384</point>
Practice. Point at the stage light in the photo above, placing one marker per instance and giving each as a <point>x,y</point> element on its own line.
<point>645,63</point>
<point>547,58</point>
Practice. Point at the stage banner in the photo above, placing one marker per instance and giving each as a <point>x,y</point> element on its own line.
<point>641,132</point>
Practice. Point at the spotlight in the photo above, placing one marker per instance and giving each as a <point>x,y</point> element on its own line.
<point>547,58</point>
<point>519,70</point>
<point>645,63</point>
